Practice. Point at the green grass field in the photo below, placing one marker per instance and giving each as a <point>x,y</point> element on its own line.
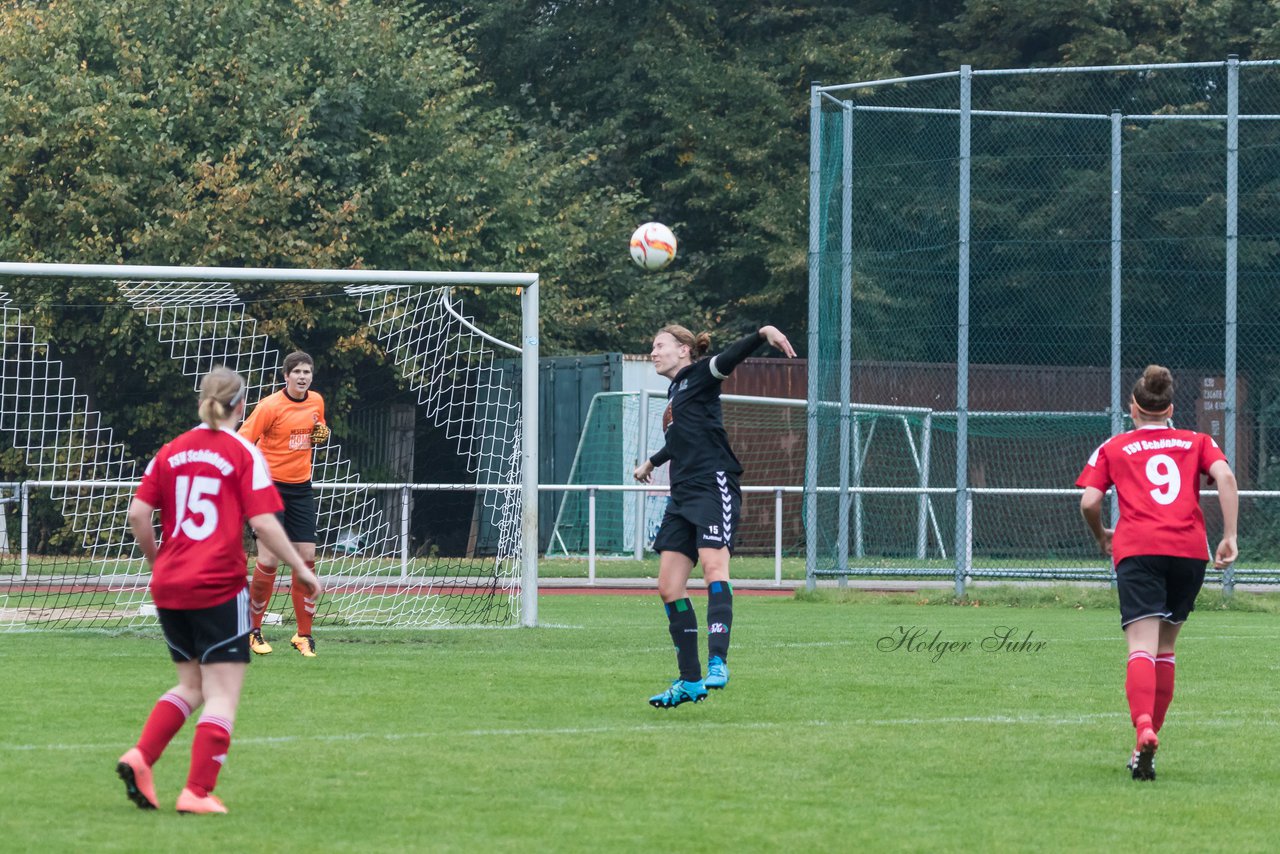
<point>827,739</point>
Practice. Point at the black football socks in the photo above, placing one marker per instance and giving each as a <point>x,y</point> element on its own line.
<point>719,618</point>
<point>683,623</point>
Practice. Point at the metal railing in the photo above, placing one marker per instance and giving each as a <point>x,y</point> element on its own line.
<point>20,493</point>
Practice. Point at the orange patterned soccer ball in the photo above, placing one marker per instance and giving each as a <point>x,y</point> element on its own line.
<point>653,246</point>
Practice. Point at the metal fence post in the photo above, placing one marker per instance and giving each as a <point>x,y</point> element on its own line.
<point>815,286</point>
<point>1117,235</point>
<point>1232,259</point>
<point>591,535</point>
<point>962,331</point>
<point>846,342</point>
<point>777,537</point>
<point>1232,293</point>
<point>24,527</point>
<point>405,492</point>
<point>638,551</point>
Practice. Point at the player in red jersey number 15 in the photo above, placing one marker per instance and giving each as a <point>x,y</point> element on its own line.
<point>205,483</point>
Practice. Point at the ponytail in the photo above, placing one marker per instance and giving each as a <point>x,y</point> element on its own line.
<point>698,344</point>
<point>221,391</point>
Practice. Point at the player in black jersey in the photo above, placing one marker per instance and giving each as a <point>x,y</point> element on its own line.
<point>705,501</point>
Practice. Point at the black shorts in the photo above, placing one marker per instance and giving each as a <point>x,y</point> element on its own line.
<point>208,635</point>
<point>299,515</point>
<point>702,513</point>
<point>1158,586</point>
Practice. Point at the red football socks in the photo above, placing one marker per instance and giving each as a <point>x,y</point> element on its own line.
<point>166,718</point>
<point>260,588</point>
<point>208,753</point>
<point>1140,685</point>
<point>1164,689</point>
<point>304,604</point>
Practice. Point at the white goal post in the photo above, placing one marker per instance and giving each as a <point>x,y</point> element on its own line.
<point>189,306</point>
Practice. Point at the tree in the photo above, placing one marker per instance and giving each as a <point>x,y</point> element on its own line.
<point>1073,32</point>
<point>307,134</point>
<point>701,113</point>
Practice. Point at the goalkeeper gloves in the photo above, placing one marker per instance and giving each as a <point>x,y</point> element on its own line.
<point>319,433</point>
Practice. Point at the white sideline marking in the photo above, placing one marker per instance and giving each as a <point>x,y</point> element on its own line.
<point>1181,638</point>
<point>790,726</point>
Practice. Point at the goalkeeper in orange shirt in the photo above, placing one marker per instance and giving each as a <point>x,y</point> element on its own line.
<point>286,426</point>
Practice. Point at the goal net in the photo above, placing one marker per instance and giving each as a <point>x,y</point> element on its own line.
<point>767,435</point>
<point>885,486</point>
<point>421,515</point>
<point>886,506</point>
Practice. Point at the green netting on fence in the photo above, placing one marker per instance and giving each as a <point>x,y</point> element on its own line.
<point>1027,241</point>
<point>767,436</point>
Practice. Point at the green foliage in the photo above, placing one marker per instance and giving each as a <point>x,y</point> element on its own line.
<point>514,134</point>
<point>259,133</point>
<point>251,133</point>
<point>701,110</point>
<point>1074,32</point>
<point>304,134</point>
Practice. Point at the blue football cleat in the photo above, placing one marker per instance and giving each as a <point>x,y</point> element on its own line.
<point>717,673</point>
<point>679,692</point>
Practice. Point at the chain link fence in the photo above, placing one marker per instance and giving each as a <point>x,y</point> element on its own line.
<point>1036,237</point>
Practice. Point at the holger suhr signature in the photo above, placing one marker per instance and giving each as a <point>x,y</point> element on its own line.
<point>930,642</point>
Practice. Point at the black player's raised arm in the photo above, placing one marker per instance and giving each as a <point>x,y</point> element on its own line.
<point>723,363</point>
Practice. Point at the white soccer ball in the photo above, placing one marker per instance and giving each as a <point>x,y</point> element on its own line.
<point>653,246</point>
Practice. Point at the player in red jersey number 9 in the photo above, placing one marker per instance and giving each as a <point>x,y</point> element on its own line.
<point>1158,546</point>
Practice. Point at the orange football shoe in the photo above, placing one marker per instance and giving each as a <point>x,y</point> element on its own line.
<point>191,804</point>
<point>136,773</point>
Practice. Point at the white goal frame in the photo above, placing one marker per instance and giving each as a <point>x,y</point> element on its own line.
<point>528,349</point>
